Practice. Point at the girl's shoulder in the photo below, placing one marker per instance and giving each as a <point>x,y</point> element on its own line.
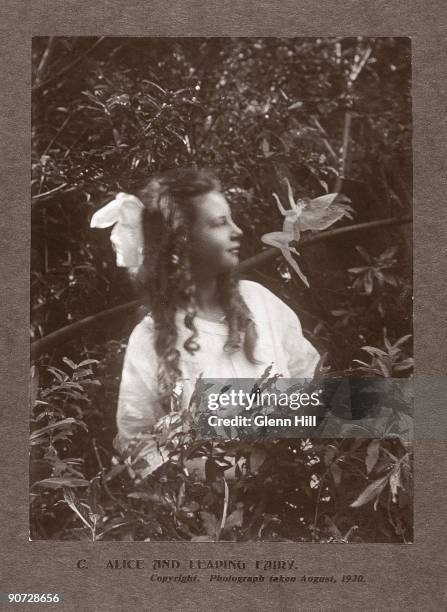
<point>142,333</point>
<point>261,300</point>
<point>252,292</point>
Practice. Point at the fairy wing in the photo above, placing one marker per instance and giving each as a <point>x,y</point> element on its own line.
<point>320,213</point>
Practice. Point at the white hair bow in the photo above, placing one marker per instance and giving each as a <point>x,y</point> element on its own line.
<point>125,213</point>
<point>305,214</point>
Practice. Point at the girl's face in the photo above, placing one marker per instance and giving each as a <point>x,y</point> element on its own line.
<point>215,237</point>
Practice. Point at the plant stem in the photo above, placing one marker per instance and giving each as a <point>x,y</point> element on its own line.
<point>44,61</point>
<point>225,508</point>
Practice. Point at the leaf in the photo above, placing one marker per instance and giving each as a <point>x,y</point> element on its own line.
<point>83,373</point>
<point>69,362</point>
<point>95,383</point>
<point>73,503</point>
<point>181,495</point>
<point>384,368</point>
<point>390,454</point>
<point>332,529</point>
<point>364,253</point>
<point>209,523</point>
<point>372,455</point>
<point>34,384</point>
<point>339,312</point>
<point>349,532</point>
<point>404,365</point>
<point>58,374</point>
<point>69,384</point>
<point>116,523</point>
<point>87,362</point>
<point>266,148</point>
<point>402,340</point>
<point>390,279</point>
<point>373,350</point>
<point>57,483</point>
<point>358,270</point>
<point>257,458</point>
<point>395,483</point>
<point>64,423</point>
<point>62,435</point>
<point>295,105</point>
<point>114,471</point>
<point>387,343</point>
<point>368,282</point>
<point>191,507</point>
<point>378,274</point>
<point>72,393</point>
<point>337,473</point>
<point>235,519</point>
<point>330,454</point>
<point>389,252</point>
<point>371,492</point>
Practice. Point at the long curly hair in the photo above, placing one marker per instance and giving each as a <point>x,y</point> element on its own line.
<point>165,276</point>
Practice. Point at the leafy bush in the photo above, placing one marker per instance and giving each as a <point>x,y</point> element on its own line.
<point>335,490</point>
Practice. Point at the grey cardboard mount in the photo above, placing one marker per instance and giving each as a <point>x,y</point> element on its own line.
<point>397,577</point>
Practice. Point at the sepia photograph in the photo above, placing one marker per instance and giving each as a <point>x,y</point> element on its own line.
<point>221,290</point>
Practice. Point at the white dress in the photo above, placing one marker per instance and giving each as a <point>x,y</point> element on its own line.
<point>280,342</point>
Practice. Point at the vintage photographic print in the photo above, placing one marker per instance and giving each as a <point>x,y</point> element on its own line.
<point>221,290</point>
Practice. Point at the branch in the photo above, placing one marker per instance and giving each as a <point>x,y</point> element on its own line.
<point>46,194</point>
<point>71,331</point>
<point>345,145</point>
<point>44,62</point>
<point>326,142</point>
<point>69,66</point>
<point>41,199</point>
<point>59,132</point>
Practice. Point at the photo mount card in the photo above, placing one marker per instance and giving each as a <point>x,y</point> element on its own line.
<point>211,571</point>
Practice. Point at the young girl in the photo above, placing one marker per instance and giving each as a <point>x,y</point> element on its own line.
<point>181,240</point>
